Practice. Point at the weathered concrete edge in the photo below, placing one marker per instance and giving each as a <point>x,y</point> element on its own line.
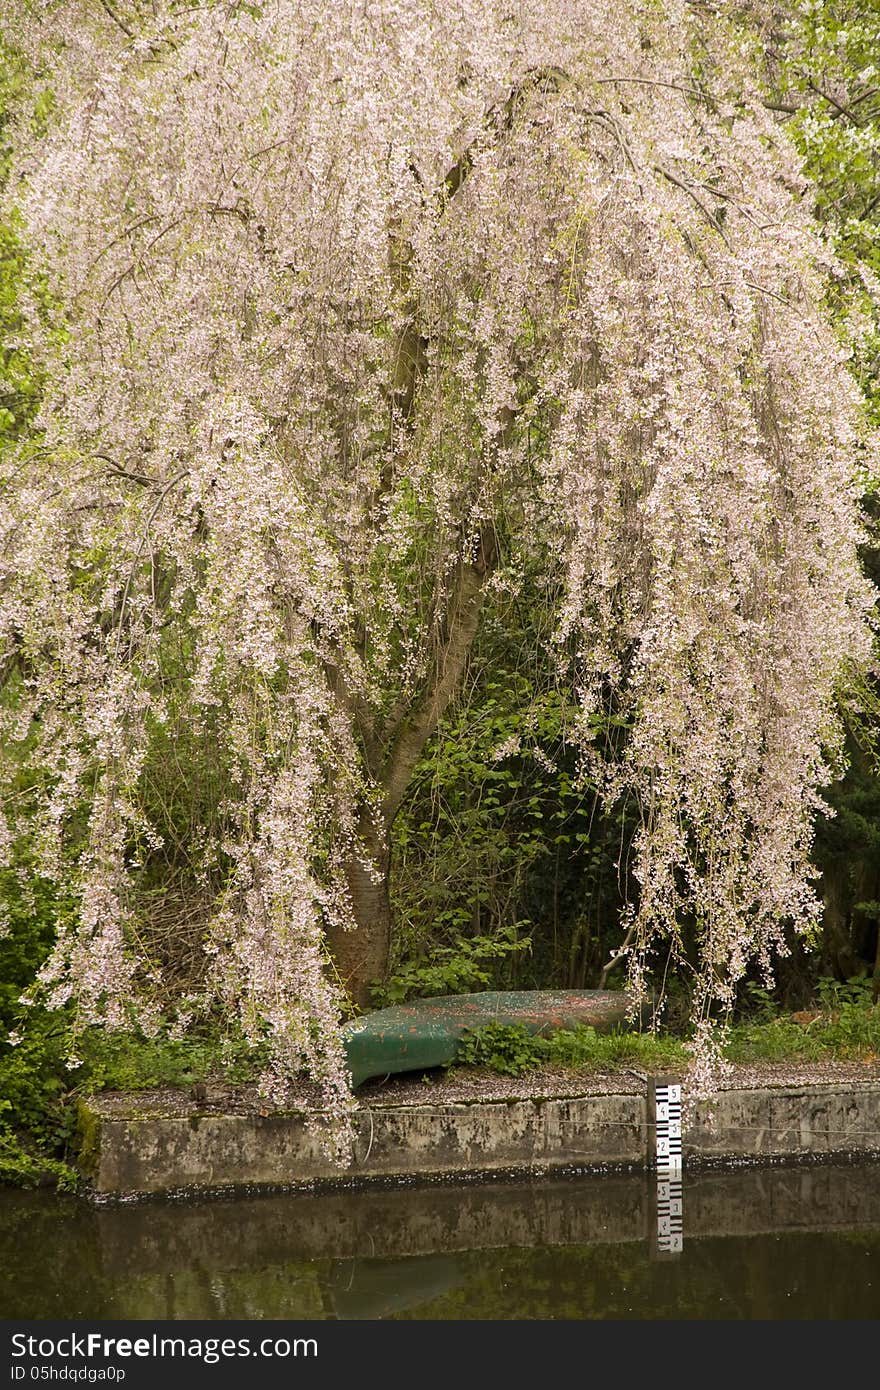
<point>136,1153</point>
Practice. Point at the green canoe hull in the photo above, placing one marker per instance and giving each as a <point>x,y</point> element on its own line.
<point>426,1032</point>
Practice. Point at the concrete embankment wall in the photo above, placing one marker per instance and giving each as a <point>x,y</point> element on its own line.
<point>147,1143</point>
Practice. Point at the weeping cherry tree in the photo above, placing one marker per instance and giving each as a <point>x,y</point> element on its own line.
<point>344,314</point>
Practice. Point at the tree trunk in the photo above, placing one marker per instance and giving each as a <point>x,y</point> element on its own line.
<point>361,956</point>
<point>393,746</point>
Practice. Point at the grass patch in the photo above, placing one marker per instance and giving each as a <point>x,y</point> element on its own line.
<point>844,1027</point>
<point>512,1050</point>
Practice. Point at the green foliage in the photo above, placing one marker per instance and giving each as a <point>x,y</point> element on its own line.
<point>760,1005</point>
<point>847,851</point>
<point>502,824</point>
<point>508,1048</point>
<point>36,1124</point>
<point>779,1039</point>
<point>512,1050</point>
<point>20,382</point>
<point>845,1026</point>
<point>29,910</point>
<point>40,1081</point>
<point>852,1017</point>
<point>822,58</point>
<point>458,968</point>
<point>131,1062</point>
<point>828,72</point>
<point>583,1047</point>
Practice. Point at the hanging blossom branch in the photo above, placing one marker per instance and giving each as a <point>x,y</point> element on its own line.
<point>355,295</point>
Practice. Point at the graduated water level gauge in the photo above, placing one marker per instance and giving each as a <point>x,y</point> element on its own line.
<point>670,1219</point>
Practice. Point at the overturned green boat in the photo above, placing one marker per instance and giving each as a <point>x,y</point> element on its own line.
<point>426,1032</point>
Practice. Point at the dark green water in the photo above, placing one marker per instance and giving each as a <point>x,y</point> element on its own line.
<point>773,1243</point>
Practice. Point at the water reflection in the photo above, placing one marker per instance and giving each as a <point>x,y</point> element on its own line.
<point>759,1243</point>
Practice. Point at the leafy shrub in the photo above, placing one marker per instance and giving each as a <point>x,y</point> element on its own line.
<point>458,968</point>
<point>760,1005</point>
<point>508,1048</point>
<point>36,1125</point>
<point>776,1040</point>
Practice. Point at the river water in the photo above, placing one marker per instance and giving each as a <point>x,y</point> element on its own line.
<point>758,1243</point>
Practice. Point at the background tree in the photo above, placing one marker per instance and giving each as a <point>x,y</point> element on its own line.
<point>366,314</point>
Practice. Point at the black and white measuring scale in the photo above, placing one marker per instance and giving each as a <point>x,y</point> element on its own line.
<point>670,1219</point>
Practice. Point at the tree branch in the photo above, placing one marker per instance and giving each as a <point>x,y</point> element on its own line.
<point>120,23</point>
